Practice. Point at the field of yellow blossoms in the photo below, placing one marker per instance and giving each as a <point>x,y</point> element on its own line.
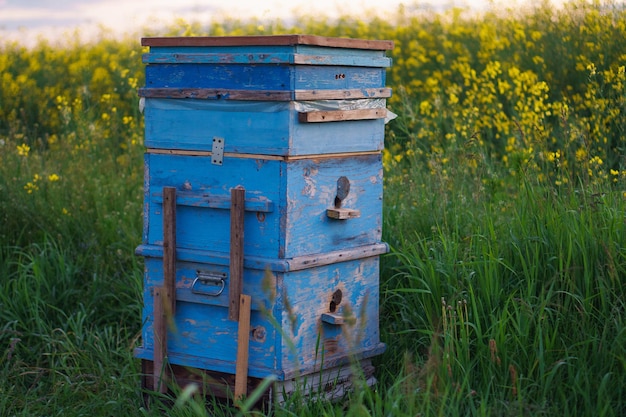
<point>505,203</point>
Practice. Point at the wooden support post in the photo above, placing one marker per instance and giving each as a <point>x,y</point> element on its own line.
<point>160,342</point>
<point>169,249</point>
<point>243,341</point>
<point>237,207</point>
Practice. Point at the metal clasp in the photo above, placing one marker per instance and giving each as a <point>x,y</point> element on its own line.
<point>206,278</point>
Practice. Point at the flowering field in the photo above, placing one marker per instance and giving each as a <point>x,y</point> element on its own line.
<point>505,207</point>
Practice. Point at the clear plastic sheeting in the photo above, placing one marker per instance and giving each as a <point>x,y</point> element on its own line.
<point>266,106</point>
<point>328,105</point>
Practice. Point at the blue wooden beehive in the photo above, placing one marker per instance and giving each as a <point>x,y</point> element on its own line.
<point>298,123</point>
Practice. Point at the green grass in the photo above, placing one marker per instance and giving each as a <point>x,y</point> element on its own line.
<point>544,330</point>
<point>504,293</point>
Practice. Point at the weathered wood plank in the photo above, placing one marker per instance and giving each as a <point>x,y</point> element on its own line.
<point>343,213</point>
<point>263,264</point>
<point>210,57</point>
<point>264,59</point>
<point>207,200</point>
<point>215,94</point>
<point>218,384</point>
<point>345,60</point>
<point>243,341</point>
<point>237,209</point>
<point>341,115</point>
<point>160,341</point>
<point>330,384</point>
<point>342,94</point>
<point>268,40</point>
<point>169,248</point>
<point>285,158</point>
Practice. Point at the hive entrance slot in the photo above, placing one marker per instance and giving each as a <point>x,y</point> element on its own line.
<point>343,189</point>
<point>335,301</point>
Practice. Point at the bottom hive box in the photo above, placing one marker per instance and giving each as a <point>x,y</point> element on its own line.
<point>328,384</point>
<point>308,314</point>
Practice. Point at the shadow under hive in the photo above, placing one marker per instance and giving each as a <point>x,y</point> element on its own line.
<point>263,186</point>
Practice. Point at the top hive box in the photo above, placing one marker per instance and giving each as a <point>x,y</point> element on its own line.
<point>284,95</point>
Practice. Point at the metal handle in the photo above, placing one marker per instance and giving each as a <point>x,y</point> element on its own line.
<point>216,278</point>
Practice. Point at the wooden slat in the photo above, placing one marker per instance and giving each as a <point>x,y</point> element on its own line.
<point>169,248</point>
<point>213,383</point>
<point>274,58</point>
<point>273,264</point>
<point>341,115</point>
<point>342,94</point>
<point>261,156</point>
<point>237,210</point>
<point>160,342</point>
<point>243,340</point>
<point>309,261</point>
<point>343,213</point>
<point>205,200</point>
<point>273,40</point>
<point>213,94</point>
<point>346,60</point>
<point>263,95</point>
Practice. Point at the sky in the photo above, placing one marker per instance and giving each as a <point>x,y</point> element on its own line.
<point>28,19</point>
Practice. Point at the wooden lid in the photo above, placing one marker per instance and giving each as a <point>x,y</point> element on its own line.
<point>274,40</point>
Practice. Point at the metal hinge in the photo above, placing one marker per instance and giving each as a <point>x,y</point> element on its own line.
<point>217,151</point>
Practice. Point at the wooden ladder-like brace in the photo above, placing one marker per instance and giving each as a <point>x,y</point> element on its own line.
<point>165,296</point>
<point>239,304</point>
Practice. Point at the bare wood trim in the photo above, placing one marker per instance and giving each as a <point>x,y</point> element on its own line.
<point>169,249</point>
<point>213,94</point>
<point>343,213</point>
<point>286,158</point>
<point>341,115</point>
<point>263,95</point>
<point>342,94</point>
<point>237,210</point>
<point>185,152</point>
<point>243,341</point>
<point>218,384</point>
<point>274,40</point>
<point>160,342</point>
<point>309,261</point>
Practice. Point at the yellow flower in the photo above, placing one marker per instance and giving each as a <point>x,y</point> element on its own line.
<point>53,177</point>
<point>592,69</point>
<point>32,185</point>
<point>596,160</point>
<point>23,149</point>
